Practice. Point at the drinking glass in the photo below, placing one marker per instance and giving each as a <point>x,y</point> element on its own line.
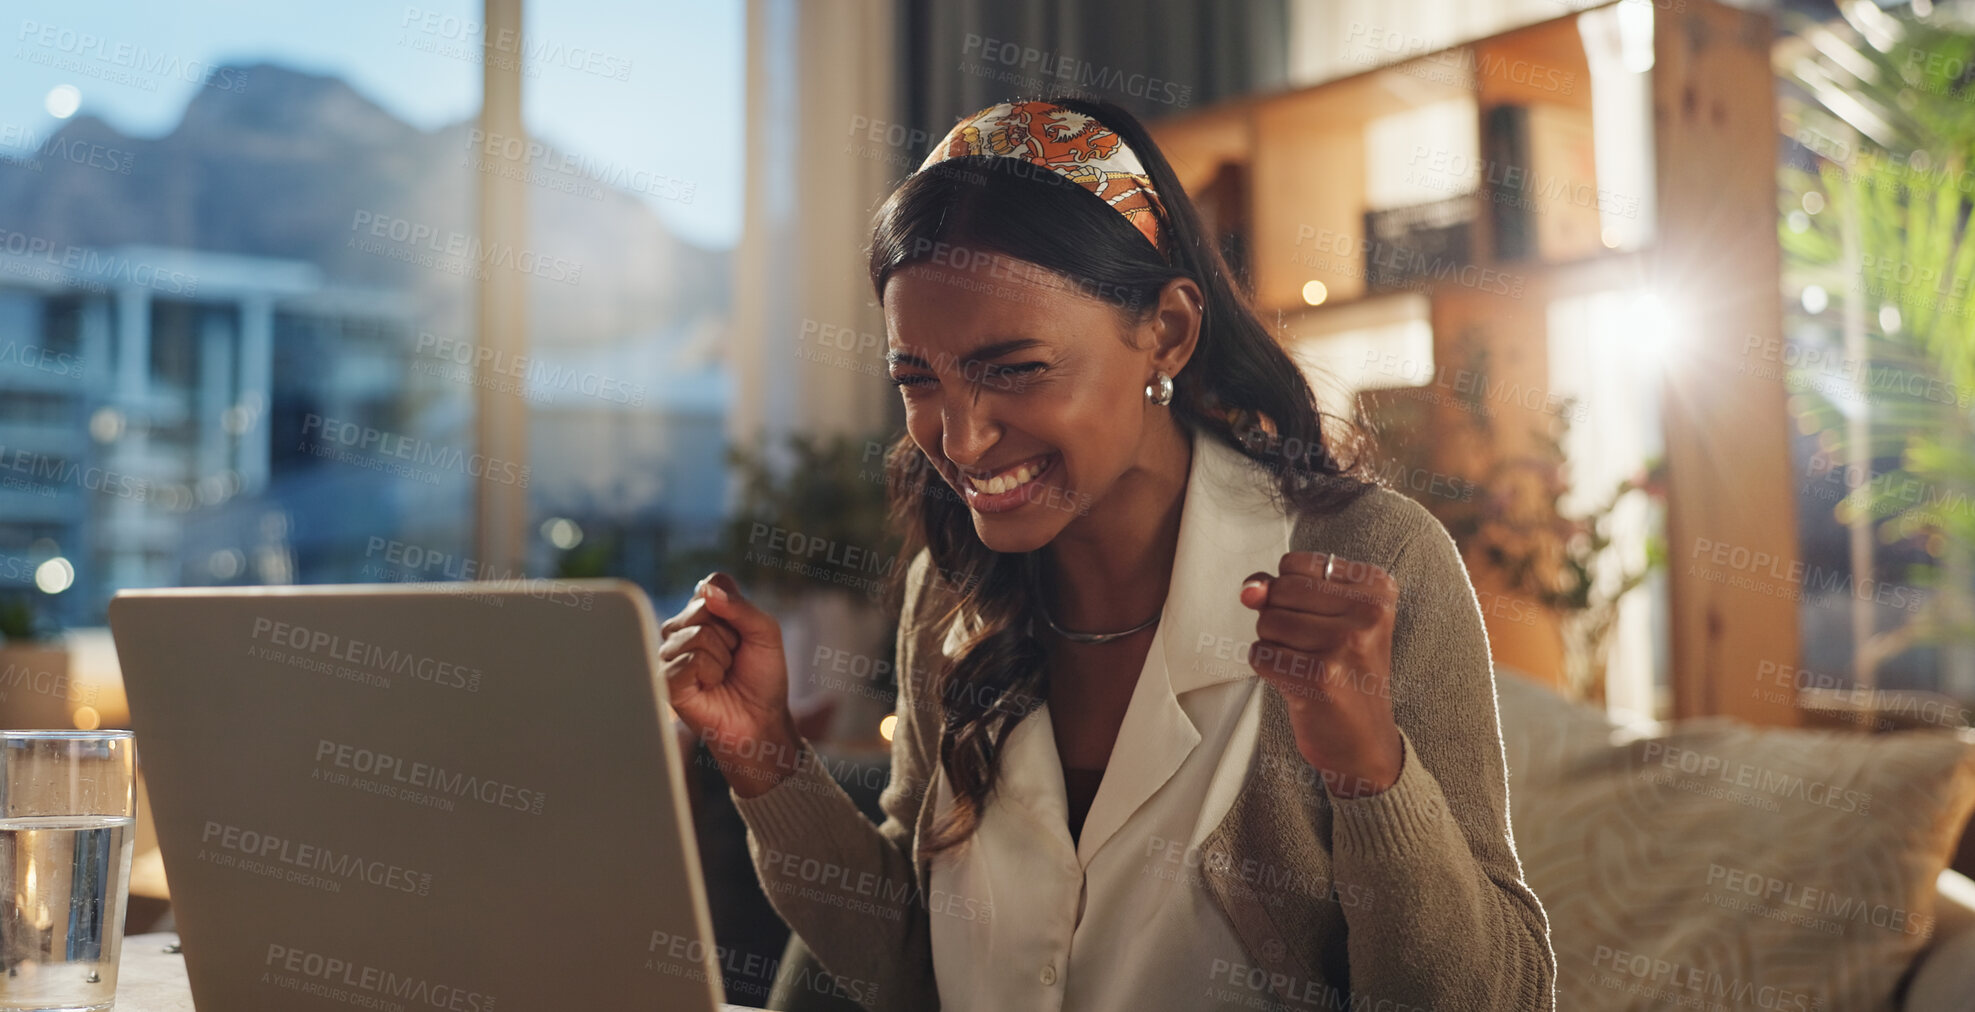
<point>67,811</point>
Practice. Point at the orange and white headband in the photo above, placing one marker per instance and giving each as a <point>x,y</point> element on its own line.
<point>1069,143</point>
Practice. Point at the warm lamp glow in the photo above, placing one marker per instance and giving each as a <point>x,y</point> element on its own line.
<point>1314,293</point>
<point>1655,327</point>
<point>887,726</point>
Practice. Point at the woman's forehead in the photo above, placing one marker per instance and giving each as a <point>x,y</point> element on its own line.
<point>972,269</point>
<point>941,304</point>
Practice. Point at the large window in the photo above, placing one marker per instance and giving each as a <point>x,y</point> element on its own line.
<point>242,276</point>
<point>1879,358</point>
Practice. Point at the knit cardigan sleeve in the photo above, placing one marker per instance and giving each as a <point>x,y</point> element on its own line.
<point>848,888</point>
<point>1453,925</point>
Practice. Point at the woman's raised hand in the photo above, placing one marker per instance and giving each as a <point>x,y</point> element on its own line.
<point>1323,638</point>
<point>729,682</point>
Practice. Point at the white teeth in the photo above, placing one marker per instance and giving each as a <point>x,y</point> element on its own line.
<point>1003,482</point>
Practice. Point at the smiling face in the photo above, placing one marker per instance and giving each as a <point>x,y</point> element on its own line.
<point>1028,394</point>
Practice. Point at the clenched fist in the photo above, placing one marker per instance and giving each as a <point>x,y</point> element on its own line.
<point>729,682</point>
<point>1325,643</point>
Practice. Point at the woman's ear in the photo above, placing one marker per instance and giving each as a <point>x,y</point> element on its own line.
<point>1176,324</point>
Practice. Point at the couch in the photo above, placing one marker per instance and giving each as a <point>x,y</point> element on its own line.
<point>1706,863</point>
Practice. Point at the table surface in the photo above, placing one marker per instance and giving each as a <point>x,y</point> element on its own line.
<point>151,977</point>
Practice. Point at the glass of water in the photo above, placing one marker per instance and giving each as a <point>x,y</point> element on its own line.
<point>67,809</point>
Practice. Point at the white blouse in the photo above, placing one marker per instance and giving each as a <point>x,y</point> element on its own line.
<point>1122,920</point>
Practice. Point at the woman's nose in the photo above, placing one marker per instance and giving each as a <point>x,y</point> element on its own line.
<point>969,432</point>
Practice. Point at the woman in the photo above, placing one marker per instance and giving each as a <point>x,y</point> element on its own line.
<point>1191,715</point>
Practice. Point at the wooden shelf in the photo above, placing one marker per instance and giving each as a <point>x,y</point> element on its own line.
<point>1305,153</point>
<point>1703,237</point>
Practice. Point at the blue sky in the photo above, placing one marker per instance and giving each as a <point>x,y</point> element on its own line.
<point>652,86</point>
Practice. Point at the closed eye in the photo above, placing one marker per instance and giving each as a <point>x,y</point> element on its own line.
<point>997,373</point>
<point>1020,369</point>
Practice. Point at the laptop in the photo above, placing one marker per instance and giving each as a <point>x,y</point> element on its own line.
<point>463,797</point>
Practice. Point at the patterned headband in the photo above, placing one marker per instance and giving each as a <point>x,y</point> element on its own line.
<point>1066,142</point>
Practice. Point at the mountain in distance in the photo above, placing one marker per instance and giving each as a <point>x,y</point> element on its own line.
<point>284,167</point>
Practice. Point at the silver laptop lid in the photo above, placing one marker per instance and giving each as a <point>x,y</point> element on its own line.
<point>418,797</point>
